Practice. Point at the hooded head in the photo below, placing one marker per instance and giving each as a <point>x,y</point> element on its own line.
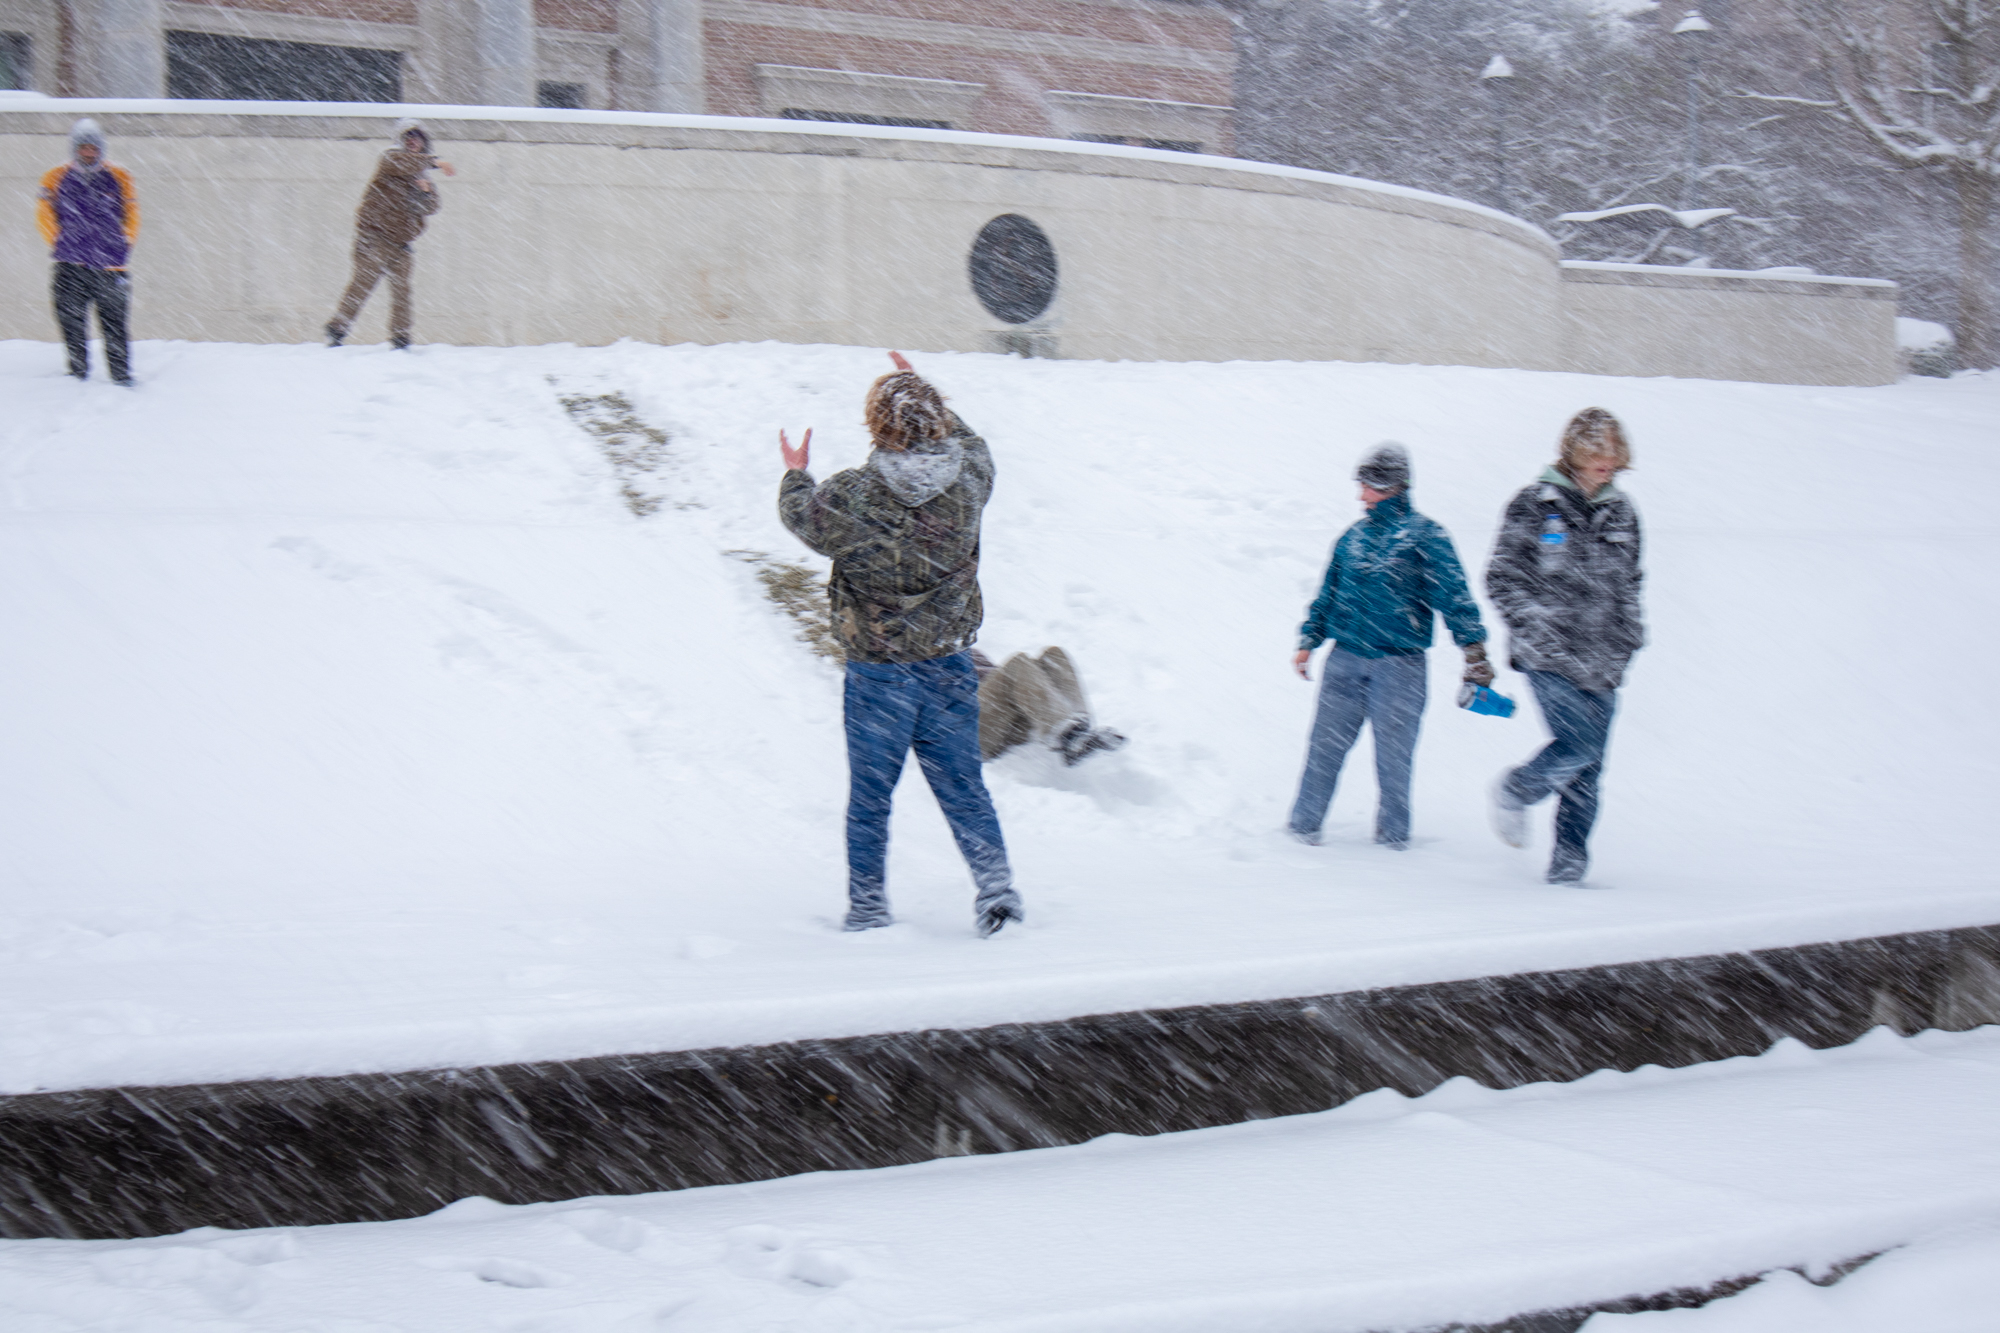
<point>904,412</point>
<point>915,454</point>
<point>86,134</point>
<point>410,125</point>
<point>1386,467</point>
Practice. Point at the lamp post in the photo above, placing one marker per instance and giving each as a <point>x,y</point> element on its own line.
<point>1496,79</point>
<point>1692,34</point>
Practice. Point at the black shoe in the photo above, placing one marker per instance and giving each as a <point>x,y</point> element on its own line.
<point>1082,740</point>
<point>400,343</point>
<point>997,916</point>
<point>79,374</point>
<point>866,921</point>
<point>335,335</point>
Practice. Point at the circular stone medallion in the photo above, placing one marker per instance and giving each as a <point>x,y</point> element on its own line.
<point>1013,268</point>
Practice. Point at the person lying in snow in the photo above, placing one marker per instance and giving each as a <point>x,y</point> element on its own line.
<point>1565,575</point>
<point>902,531</point>
<point>1039,700</point>
<point>1389,575</point>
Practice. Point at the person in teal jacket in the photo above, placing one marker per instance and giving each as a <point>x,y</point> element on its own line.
<point>1391,573</point>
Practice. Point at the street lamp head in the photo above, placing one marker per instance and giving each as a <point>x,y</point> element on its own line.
<point>1497,68</point>
<point>1693,25</point>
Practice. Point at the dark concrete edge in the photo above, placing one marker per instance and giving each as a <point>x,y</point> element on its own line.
<point>1568,1319</point>
<point>136,1161</point>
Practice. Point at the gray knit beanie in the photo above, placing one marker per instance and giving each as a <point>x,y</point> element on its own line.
<point>86,131</point>
<point>1385,467</point>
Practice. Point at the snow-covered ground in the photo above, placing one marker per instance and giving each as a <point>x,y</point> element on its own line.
<point>355,722</point>
<point>1387,1213</point>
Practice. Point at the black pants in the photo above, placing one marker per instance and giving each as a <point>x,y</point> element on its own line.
<point>77,288</point>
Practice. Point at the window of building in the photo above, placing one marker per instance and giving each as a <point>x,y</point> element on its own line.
<point>1133,141</point>
<point>863,118</point>
<point>208,65</point>
<point>851,97</point>
<point>16,69</point>
<point>564,96</point>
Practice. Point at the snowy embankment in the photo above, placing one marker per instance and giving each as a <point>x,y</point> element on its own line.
<point>355,721</point>
<point>1388,1213</point>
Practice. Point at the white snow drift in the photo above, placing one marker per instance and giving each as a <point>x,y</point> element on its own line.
<point>354,721</point>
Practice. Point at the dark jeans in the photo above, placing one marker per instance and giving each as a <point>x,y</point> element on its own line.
<point>1389,694</point>
<point>931,707</point>
<point>77,288</point>
<point>1570,765</point>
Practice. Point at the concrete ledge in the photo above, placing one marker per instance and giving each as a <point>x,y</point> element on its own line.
<point>1643,319</point>
<point>124,1162</point>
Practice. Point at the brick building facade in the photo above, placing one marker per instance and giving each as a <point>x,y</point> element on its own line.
<point>1151,72</point>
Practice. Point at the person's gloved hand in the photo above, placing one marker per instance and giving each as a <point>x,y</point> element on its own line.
<point>1478,671</point>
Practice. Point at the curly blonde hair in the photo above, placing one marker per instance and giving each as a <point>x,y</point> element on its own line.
<point>903,409</point>
<point>1594,432</point>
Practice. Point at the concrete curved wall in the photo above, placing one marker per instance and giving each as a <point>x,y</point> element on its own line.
<point>592,226</point>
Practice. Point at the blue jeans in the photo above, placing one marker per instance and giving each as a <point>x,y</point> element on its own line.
<point>933,708</point>
<point>1389,694</point>
<point>1570,764</point>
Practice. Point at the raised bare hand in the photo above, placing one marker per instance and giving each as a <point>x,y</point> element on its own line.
<point>901,364</point>
<point>796,460</point>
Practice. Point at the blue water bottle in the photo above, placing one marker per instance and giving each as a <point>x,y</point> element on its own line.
<point>1480,699</point>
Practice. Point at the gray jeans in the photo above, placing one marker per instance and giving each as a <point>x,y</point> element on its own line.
<point>1389,694</point>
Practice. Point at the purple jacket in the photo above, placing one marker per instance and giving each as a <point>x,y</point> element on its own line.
<point>89,217</point>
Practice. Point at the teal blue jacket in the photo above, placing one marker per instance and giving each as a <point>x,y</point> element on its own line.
<point>1388,574</point>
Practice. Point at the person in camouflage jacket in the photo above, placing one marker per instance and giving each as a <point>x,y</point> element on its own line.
<point>1566,574</point>
<point>902,531</point>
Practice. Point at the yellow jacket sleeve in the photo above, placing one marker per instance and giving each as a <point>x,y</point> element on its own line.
<point>131,203</point>
<point>45,205</point>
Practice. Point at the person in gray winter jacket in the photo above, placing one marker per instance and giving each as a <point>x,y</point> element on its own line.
<point>1565,575</point>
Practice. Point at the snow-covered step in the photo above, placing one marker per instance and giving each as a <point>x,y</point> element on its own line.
<point>1463,1206</point>
<point>140,1161</point>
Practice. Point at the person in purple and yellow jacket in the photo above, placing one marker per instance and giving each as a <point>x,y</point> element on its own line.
<point>89,215</point>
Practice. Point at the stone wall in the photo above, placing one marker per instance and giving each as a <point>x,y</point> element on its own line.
<point>593,226</point>
<point>141,1161</point>
<point>1638,319</point>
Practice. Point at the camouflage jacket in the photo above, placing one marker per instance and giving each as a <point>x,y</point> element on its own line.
<point>905,585</point>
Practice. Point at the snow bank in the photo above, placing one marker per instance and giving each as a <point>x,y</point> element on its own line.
<point>1466,1205</point>
<point>358,723</point>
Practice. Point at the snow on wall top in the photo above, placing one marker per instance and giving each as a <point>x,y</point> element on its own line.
<point>29,101</point>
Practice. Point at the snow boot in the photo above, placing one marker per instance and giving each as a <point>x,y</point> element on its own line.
<point>997,916</point>
<point>1510,817</point>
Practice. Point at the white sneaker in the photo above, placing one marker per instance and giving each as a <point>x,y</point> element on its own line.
<point>1510,817</point>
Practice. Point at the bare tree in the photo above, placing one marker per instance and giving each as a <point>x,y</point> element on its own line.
<point>1919,82</point>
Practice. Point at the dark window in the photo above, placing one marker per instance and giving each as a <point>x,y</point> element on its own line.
<point>15,65</point>
<point>858,118</point>
<point>1013,268</point>
<point>1132,141</point>
<point>202,64</point>
<point>564,96</point>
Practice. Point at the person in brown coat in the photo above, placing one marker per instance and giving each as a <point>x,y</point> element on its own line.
<point>398,202</point>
